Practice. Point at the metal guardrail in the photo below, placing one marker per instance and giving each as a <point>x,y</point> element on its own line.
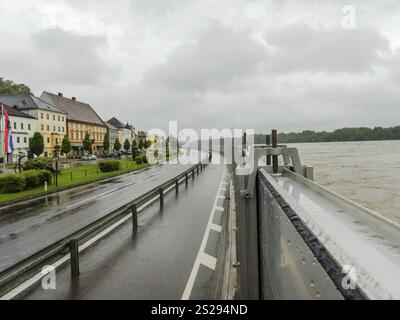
<point>25,269</point>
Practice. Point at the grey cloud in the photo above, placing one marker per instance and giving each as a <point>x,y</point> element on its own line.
<point>211,60</point>
<point>71,57</point>
<point>299,48</point>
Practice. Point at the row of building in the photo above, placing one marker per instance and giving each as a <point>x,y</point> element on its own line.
<point>55,117</point>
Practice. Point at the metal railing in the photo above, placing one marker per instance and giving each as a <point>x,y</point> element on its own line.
<point>27,268</point>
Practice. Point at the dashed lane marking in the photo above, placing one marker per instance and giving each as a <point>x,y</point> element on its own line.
<point>208,261</point>
<point>216,227</point>
<point>202,257</point>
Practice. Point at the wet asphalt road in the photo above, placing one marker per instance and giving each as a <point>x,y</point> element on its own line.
<point>28,228</point>
<point>157,261</point>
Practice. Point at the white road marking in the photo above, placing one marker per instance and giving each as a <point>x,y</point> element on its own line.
<point>200,255</point>
<point>216,227</point>
<point>221,197</point>
<point>209,261</point>
<point>218,208</point>
<point>92,198</point>
<point>107,193</point>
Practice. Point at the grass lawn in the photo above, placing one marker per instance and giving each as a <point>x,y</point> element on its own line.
<point>75,177</point>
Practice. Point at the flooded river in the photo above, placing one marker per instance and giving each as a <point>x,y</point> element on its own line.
<point>366,172</point>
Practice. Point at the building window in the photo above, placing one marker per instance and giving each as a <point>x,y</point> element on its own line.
<point>47,116</point>
<point>29,126</point>
<point>41,115</point>
<point>48,128</point>
<point>54,117</point>
<point>54,128</point>
<point>62,119</point>
<point>48,140</point>
<point>59,129</point>
<point>25,140</point>
<point>62,129</point>
<point>58,118</point>
<point>18,140</point>
<point>22,126</point>
<point>56,140</point>
<point>15,125</point>
<point>42,127</point>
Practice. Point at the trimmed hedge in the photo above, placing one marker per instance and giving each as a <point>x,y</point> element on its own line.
<point>12,183</point>
<point>139,160</point>
<point>44,175</point>
<point>39,164</point>
<point>109,165</point>
<point>31,179</point>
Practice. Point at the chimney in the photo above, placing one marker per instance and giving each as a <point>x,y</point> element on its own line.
<point>60,94</point>
<point>73,99</point>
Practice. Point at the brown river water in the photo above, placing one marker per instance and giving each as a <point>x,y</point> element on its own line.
<point>366,172</point>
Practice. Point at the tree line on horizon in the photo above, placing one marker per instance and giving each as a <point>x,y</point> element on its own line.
<point>344,134</point>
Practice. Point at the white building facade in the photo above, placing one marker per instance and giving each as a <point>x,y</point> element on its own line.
<point>23,126</point>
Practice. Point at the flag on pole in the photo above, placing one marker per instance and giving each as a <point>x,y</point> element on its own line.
<point>8,143</point>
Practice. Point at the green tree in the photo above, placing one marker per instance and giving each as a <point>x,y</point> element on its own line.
<point>106,142</point>
<point>141,145</point>
<point>135,150</point>
<point>127,145</point>
<point>87,143</point>
<point>36,144</point>
<point>167,145</point>
<point>65,145</point>
<point>117,145</point>
<point>8,87</point>
<point>147,144</point>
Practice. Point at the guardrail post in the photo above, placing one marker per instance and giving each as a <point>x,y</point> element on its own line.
<point>198,171</point>
<point>186,178</point>
<point>134,217</point>
<point>161,191</point>
<point>74,252</point>
<point>275,167</point>
<point>177,185</point>
<point>268,142</point>
<point>193,174</point>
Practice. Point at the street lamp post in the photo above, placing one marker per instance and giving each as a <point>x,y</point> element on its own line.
<point>56,154</point>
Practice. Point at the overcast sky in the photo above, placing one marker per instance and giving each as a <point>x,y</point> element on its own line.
<point>287,64</point>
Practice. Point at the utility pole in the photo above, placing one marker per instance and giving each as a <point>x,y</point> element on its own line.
<point>2,137</point>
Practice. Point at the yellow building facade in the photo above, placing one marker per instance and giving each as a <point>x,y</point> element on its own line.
<point>80,119</point>
<point>53,128</point>
<point>77,131</point>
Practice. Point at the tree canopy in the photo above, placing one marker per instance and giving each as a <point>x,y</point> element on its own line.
<point>65,145</point>
<point>87,143</point>
<point>8,87</point>
<point>127,145</point>
<point>117,145</point>
<point>36,144</point>
<point>344,134</point>
<point>106,142</point>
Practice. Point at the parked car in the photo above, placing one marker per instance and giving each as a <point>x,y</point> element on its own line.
<point>113,155</point>
<point>89,158</point>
